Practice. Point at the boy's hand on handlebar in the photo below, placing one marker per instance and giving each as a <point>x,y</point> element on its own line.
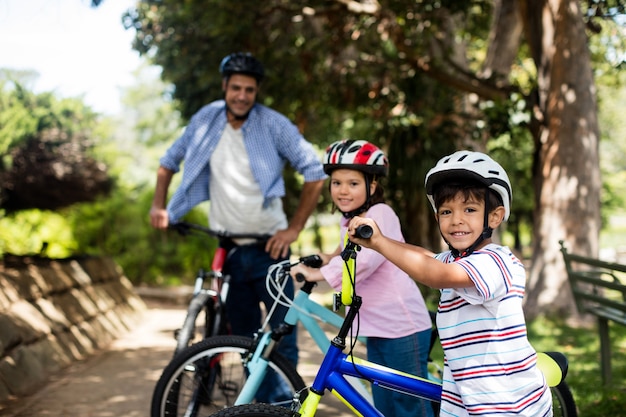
<point>358,223</point>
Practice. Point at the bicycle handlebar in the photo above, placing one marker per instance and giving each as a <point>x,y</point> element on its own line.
<point>364,231</point>
<point>185,228</point>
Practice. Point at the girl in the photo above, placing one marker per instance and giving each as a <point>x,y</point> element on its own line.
<point>393,315</point>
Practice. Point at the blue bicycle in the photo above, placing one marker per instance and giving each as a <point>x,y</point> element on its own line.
<point>337,365</point>
<point>226,370</point>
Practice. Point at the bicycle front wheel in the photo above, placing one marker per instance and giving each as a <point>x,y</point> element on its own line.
<point>563,404</point>
<point>208,376</point>
<point>187,334</point>
<point>256,410</point>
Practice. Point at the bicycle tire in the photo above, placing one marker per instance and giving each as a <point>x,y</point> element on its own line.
<point>186,335</point>
<point>256,410</point>
<point>208,376</point>
<point>563,404</point>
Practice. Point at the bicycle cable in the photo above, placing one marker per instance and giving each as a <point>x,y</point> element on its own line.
<point>276,291</point>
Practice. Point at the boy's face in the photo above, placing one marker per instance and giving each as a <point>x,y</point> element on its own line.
<point>461,220</point>
<point>347,189</point>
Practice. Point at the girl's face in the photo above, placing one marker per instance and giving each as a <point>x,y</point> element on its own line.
<point>461,221</point>
<point>347,189</point>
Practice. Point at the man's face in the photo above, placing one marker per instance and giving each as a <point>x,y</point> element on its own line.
<point>240,94</point>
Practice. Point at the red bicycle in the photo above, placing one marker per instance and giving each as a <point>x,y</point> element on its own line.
<point>210,288</point>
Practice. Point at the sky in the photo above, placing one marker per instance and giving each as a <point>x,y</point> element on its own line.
<point>79,51</point>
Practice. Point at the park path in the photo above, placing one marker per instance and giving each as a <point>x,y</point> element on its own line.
<point>118,381</point>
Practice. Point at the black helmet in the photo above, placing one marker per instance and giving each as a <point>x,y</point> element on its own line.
<point>242,63</point>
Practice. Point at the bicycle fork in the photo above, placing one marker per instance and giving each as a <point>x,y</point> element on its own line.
<point>256,366</point>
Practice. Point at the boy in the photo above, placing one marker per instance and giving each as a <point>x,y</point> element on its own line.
<point>490,367</point>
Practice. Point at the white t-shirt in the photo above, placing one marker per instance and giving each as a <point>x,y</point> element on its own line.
<point>236,198</point>
<point>490,366</point>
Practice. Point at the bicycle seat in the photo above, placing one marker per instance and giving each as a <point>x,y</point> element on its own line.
<point>553,365</point>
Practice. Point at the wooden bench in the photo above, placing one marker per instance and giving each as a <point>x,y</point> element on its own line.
<point>598,289</point>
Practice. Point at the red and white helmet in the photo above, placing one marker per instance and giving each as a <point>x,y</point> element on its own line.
<point>360,155</point>
<point>471,165</point>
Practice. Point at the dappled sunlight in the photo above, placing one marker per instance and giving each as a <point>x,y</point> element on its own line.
<point>581,345</point>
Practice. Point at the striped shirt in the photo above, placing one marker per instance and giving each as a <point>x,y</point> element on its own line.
<point>271,140</point>
<point>490,366</point>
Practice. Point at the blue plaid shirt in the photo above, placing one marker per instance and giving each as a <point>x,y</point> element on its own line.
<point>270,140</point>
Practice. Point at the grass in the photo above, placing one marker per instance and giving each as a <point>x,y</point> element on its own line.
<point>582,347</point>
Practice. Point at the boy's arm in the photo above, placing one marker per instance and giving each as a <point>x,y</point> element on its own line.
<point>417,262</point>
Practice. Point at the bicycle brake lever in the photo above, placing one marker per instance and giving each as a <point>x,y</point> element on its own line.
<point>312,261</point>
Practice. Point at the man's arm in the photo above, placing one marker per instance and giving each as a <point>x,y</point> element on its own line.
<point>158,214</point>
<point>278,245</point>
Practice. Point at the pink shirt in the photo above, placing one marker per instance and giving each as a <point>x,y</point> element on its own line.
<point>393,305</point>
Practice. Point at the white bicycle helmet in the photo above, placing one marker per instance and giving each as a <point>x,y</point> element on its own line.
<point>471,165</point>
<point>359,155</point>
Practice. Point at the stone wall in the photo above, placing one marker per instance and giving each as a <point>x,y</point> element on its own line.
<point>55,312</point>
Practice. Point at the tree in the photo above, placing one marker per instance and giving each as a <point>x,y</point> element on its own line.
<point>566,132</point>
<point>45,143</point>
<point>420,78</point>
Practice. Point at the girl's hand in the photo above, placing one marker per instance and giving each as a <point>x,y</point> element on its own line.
<point>309,274</point>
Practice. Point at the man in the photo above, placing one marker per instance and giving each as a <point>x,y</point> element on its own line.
<point>235,151</point>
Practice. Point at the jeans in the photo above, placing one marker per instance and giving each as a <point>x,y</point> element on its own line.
<point>247,266</point>
<point>408,354</point>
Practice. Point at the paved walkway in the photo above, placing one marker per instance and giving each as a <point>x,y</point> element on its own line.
<point>119,381</point>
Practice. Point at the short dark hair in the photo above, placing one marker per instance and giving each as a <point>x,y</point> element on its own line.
<point>446,191</point>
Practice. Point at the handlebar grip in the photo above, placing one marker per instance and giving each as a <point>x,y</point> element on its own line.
<point>312,261</point>
<point>300,277</point>
<point>183,229</point>
<point>364,231</point>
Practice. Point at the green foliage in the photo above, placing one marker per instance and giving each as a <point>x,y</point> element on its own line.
<point>16,121</point>
<point>24,114</point>
<point>613,149</point>
<point>581,345</point>
<point>363,66</point>
<point>336,73</point>
<point>119,227</point>
<point>45,143</point>
<point>35,232</point>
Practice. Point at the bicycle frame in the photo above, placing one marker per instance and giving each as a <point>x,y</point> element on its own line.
<point>303,310</point>
<point>338,367</point>
<point>219,285</point>
<point>337,364</point>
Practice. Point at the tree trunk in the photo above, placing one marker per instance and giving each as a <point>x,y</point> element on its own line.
<point>566,132</point>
